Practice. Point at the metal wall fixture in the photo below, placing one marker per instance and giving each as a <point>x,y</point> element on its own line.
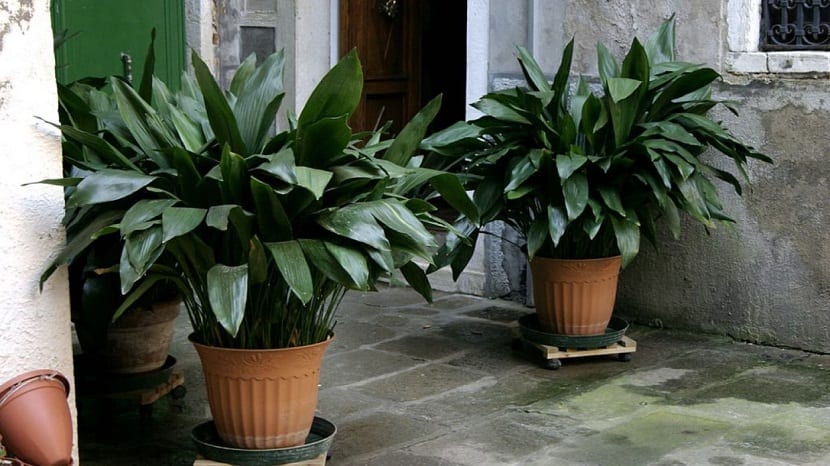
<point>390,8</point>
<point>795,25</point>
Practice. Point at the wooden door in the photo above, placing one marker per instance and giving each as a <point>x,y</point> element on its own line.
<point>387,36</point>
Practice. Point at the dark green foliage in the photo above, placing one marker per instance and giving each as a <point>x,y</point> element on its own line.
<point>261,233</point>
<point>585,173</point>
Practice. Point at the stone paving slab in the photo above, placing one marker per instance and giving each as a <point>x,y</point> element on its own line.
<point>412,383</point>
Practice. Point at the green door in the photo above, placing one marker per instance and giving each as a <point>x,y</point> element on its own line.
<point>102,30</point>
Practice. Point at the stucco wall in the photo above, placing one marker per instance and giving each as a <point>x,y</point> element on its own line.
<point>35,326</point>
<point>768,278</point>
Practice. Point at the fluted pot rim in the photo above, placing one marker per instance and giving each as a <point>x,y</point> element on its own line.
<point>192,339</point>
<point>595,259</point>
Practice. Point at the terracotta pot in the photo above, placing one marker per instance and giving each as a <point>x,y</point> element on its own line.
<point>139,341</point>
<point>35,420</point>
<point>575,297</point>
<point>262,398</point>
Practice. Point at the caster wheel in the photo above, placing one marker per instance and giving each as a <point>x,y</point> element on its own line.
<point>624,357</point>
<point>516,344</point>
<point>178,393</point>
<point>552,364</point>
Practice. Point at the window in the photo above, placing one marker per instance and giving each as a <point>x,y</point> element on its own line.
<point>778,36</point>
<point>796,25</point>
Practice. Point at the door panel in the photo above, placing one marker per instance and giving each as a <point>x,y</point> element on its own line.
<point>388,45</point>
<point>103,29</point>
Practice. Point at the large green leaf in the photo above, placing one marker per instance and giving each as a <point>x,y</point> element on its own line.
<point>274,224</point>
<point>177,221</point>
<point>417,279</point>
<point>314,180</point>
<point>228,295</point>
<point>107,185</point>
<point>104,149</point>
<point>322,141</point>
<point>608,67</point>
<point>257,262</point>
<point>453,192</point>
<point>534,76</point>
<point>627,232</point>
<point>234,177</point>
<point>243,73</point>
<point>660,45</point>
<point>282,166</point>
<point>575,192</point>
<point>142,121</point>
<point>81,239</point>
<point>406,143</point>
<point>567,164</point>
<point>221,117</point>
<point>141,250</point>
<point>557,224</point>
<point>356,223</point>
<point>256,102</point>
<point>293,267</point>
<point>322,260</point>
<point>501,111</point>
<point>621,88</point>
<point>397,217</point>
<point>536,235</point>
<point>611,197</point>
<point>140,213</point>
<point>337,94</point>
<point>353,262</point>
<point>522,171</point>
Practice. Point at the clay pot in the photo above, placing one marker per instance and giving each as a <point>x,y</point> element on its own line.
<point>575,297</point>
<point>35,420</point>
<point>139,341</point>
<point>262,399</point>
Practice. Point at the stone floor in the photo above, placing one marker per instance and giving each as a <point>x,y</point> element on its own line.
<point>408,383</point>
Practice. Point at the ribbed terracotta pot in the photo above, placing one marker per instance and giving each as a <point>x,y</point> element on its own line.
<point>575,297</point>
<point>262,398</point>
<point>34,418</point>
<point>139,341</point>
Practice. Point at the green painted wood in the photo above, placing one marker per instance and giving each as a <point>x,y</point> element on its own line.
<point>103,29</point>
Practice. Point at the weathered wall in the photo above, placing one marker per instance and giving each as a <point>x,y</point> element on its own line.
<point>768,278</point>
<point>35,326</point>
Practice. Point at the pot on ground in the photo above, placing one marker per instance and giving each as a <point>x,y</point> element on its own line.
<point>35,421</point>
<point>139,341</point>
<point>262,398</point>
<point>575,297</point>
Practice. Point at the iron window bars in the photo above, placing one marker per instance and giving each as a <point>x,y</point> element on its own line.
<point>796,25</point>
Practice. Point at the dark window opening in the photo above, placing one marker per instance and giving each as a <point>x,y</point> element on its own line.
<point>795,25</point>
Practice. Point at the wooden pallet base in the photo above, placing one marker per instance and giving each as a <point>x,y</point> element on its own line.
<point>553,355</point>
<point>317,461</point>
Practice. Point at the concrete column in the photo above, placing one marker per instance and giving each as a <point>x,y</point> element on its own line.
<point>35,325</point>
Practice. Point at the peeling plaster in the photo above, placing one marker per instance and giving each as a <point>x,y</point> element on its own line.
<point>20,15</point>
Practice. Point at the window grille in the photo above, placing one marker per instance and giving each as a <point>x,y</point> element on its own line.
<point>795,25</point>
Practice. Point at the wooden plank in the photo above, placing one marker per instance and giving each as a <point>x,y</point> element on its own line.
<point>317,461</point>
<point>626,345</point>
<point>154,394</point>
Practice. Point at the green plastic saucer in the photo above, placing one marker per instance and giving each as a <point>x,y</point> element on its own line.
<point>530,331</point>
<point>209,445</point>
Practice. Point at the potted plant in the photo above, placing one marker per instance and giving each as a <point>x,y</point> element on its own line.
<point>584,172</point>
<point>262,233</point>
<point>115,338</point>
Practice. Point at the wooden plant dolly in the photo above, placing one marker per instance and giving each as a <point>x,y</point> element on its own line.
<point>316,461</point>
<point>552,355</point>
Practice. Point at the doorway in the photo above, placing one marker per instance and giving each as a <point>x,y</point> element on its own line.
<point>411,51</point>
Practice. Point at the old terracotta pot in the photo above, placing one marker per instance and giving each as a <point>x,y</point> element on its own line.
<point>139,341</point>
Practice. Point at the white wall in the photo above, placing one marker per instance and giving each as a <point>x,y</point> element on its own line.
<point>34,326</point>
